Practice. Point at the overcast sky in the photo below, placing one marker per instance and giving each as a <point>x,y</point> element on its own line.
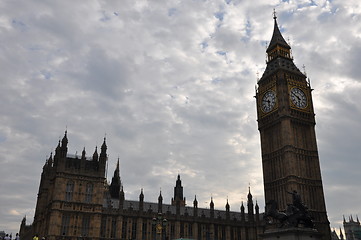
<point>171,84</point>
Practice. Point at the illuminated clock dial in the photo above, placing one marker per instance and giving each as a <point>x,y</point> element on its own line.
<point>298,98</point>
<point>268,101</point>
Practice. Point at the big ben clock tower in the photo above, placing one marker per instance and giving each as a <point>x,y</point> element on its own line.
<point>286,122</point>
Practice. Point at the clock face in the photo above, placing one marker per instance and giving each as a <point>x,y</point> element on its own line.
<point>268,101</point>
<point>298,98</point>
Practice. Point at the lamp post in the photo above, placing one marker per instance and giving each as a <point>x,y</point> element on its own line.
<point>160,223</point>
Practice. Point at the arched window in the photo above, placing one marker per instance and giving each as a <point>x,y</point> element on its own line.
<point>69,191</point>
<point>64,229</point>
<point>85,226</point>
<point>89,193</point>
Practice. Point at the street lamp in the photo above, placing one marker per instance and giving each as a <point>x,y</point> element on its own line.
<point>160,223</point>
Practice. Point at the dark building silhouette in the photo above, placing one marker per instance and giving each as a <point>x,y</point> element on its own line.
<point>286,122</point>
<point>75,202</point>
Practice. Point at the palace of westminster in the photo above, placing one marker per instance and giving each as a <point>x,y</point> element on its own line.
<point>76,202</point>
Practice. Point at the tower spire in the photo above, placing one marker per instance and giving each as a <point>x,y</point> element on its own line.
<point>278,46</point>
<point>116,183</point>
<point>178,193</point>
<point>250,204</point>
<point>64,144</point>
<point>277,38</point>
<point>160,202</point>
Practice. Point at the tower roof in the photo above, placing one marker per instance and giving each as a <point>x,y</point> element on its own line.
<point>249,196</point>
<point>277,38</point>
<point>64,141</point>
<point>279,55</point>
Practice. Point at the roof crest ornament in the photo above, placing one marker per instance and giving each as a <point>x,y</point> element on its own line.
<point>274,14</point>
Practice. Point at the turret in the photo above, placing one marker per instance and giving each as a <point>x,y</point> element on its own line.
<point>195,207</point>
<point>257,211</point>
<point>64,145</point>
<point>160,202</point>
<point>95,154</point>
<point>227,210</point>
<point>50,160</point>
<point>250,206</point>
<point>178,194</point>
<point>141,200</point>
<point>242,213</point>
<point>83,154</point>
<point>103,153</point>
<point>116,183</point>
<point>211,207</point>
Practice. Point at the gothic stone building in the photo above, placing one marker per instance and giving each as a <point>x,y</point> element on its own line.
<point>75,202</point>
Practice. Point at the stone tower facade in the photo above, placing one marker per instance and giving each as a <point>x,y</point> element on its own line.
<point>286,122</point>
<point>70,193</point>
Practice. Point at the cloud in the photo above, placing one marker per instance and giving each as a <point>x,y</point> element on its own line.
<point>171,85</point>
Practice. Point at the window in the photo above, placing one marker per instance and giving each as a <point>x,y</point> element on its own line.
<point>103,227</point>
<point>215,232</point>
<point>134,228</point>
<point>172,231</point>
<point>124,228</point>
<point>114,228</point>
<point>144,230</point>
<point>85,226</point>
<point>65,225</point>
<point>69,191</point>
<point>182,230</point>
<point>190,230</point>
<point>223,232</point>
<point>89,193</point>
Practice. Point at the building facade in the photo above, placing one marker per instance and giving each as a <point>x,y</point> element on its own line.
<point>286,122</point>
<point>76,202</point>
<point>352,228</point>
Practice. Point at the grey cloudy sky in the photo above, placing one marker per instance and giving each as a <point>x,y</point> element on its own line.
<point>171,84</point>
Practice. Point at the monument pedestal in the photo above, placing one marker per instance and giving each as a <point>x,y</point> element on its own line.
<point>291,234</point>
